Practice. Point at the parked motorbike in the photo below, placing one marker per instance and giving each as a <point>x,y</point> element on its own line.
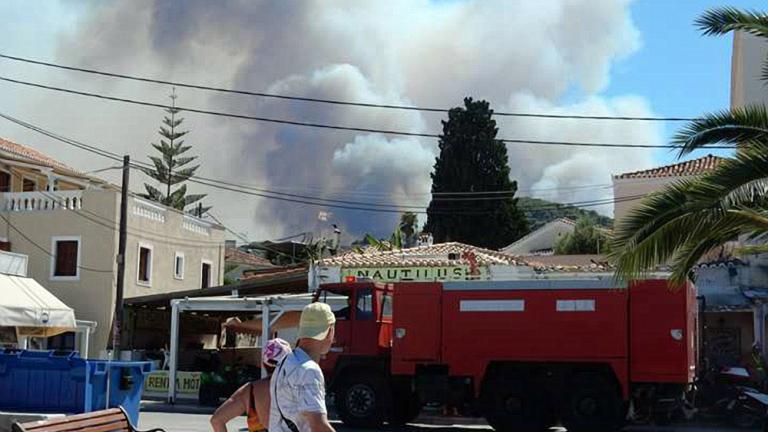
<point>726,395</point>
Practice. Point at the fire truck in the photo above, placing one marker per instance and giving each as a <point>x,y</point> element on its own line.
<point>524,354</point>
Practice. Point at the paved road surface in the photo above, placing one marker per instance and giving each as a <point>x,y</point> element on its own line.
<point>179,422</point>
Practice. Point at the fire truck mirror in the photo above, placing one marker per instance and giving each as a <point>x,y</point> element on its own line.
<point>400,333</point>
<point>677,334</point>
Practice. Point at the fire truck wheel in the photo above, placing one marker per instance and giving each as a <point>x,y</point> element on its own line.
<point>209,395</point>
<point>361,400</point>
<point>592,405</point>
<point>405,405</point>
<point>510,405</point>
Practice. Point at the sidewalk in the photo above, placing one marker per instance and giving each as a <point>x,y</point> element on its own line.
<point>177,408</point>
<point>184,407</point>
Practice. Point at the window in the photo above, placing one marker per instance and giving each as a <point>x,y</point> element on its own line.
<point>364,308</point>
<point>386,305</point>
<point>178,266</point>
<point>145,265</point>
<point>5,181</point>
<point>206,275</point>
<point>65,262</point>
<point>28,185</point>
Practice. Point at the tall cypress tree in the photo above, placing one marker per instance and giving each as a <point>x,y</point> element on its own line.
<point>170,168</point>
<point>472,160</point>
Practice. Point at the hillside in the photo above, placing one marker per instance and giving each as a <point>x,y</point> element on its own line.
<point>547,211</point>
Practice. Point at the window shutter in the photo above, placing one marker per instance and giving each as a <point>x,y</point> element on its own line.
<point>66,258</point>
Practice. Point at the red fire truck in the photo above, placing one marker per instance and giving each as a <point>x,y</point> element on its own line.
<point>522,353</point>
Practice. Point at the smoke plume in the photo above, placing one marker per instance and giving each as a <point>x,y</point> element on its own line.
<point>520,55</point>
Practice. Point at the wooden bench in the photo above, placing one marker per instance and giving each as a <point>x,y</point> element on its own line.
<point>109,420</point>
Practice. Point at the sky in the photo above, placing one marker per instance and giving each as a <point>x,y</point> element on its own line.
<point>599,57</point>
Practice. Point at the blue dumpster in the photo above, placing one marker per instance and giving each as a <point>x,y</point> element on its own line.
<point>50,382</point>
<point>126,383</point>
<point>44,381</point>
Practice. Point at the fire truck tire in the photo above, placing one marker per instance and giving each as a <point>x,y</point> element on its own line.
<point>592,405</point>
<point>361,400</point>
<point>405,405</point>
<point>209,395</point>
<point>511,405</point>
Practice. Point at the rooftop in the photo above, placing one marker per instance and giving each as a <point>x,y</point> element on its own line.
<point>237,256</point>
<point>442,254</point>
<point>568,263</point>
<point>25,153</point>
<point>688,168</point>
<point>280,280</point>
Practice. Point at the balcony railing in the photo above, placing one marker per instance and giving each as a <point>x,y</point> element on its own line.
<point>196,225</point>
<point>42,201</point>
<point>148,210</point>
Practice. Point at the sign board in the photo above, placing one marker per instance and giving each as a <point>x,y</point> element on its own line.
<point>187,384</point>
<point>398,274</point>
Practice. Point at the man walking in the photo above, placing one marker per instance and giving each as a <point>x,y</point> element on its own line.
<point>298,386</point>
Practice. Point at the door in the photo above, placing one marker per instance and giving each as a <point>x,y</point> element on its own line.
<point>341,341</point>
<point>416,325</point>
<point>365,337</point>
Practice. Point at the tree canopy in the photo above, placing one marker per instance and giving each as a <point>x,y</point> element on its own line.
<point>471,159</point>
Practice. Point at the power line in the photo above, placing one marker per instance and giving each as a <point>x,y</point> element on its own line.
<point>223,185</point>
<point>231,231</point>
<point>197,179</point>
<point>329,101</point>
<point>336,127</point>
<point>44,250</point>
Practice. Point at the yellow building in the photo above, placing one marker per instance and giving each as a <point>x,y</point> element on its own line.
<point>67,223</point>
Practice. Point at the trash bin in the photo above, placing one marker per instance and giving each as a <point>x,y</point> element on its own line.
<point>126,383</point>
<point>45,382</point>
<point>54,382</point>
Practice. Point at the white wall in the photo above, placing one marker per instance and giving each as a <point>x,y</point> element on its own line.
<point>545,237</point>
<point>749,55</point>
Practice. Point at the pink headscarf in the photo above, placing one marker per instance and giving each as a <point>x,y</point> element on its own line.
<point>275,351</point>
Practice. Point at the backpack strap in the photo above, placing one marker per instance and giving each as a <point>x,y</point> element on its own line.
<point>291,425</point>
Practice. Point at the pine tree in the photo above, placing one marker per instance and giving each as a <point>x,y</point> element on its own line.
<point>472,160</point>
<point>171,168</point>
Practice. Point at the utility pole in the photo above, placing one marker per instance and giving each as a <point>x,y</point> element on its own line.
<point>121,245</point>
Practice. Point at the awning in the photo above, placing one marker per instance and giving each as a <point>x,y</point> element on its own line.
<point>34,311</point>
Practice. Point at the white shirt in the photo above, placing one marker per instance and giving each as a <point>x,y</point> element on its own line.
<point>297,387</point>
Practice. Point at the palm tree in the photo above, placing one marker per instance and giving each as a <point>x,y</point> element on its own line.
<point>681,223</point>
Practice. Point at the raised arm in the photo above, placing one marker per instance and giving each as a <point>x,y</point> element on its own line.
<point>236,405</point>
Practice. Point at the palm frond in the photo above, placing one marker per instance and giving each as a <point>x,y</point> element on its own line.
<point>722,20</point>
<point>736,126</point>
<point>191,199</point>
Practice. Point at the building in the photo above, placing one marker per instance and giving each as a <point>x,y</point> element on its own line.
<point>747,59</point>
<point>543,240</point>
<point>437,262</point>
<point>629,188</point>
<point>239,262</point>
<point>67,223</point>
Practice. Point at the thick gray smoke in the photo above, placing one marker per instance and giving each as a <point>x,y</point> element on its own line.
<point>520,55</point>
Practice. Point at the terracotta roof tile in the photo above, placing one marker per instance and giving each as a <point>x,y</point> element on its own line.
<point>687,168</point>
<point>236,256</point>
<point>568,263</point>
<point>442,254</point>
<point>30,154</point>
<point>272,273</point>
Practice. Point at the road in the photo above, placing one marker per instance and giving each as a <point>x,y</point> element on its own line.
<point>185,422</point>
